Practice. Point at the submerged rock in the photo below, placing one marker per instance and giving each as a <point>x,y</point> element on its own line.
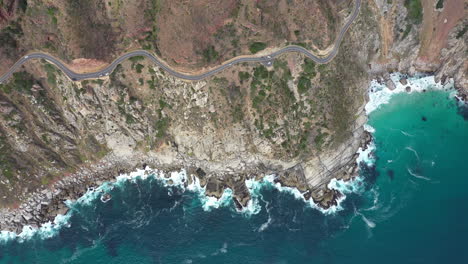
<point>106,197</point>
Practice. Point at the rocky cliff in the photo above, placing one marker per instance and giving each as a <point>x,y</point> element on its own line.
<point>296,119</point>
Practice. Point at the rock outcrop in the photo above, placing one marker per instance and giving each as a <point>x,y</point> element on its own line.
<point>298,120</point>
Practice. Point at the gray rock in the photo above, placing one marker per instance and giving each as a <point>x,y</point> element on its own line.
<point>27,217</point>
<point>403,81</point>
<point>390,85</point>
<point>49,195</point>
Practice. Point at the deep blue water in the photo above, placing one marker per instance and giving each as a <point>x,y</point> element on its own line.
<point>411,208</point>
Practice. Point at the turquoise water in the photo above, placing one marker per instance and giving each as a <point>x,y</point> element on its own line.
<point>411,208</point>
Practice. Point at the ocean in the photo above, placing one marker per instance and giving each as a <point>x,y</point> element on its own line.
<point>407,206</point>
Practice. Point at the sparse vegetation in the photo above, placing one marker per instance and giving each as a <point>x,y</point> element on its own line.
<point>139,68</point>
<point>210,54</point>
<point>308,68</point>
<point>261,72</point>
<point>301,44</point>
<point>257,46</point>
<point>8,38</point>
<point>163,104</point>
<point>304,84</point>
<point>407,31</point>
<point>136,59</point>
<point>23,5</point>
<point>243,76</point>
<point>152,83</point>
<point>99,40</point>
<point>319,140</point>
<point>462,32</point>
<point>440,4</point>
<point>161,127</point>
<point>52,11</point>
<point>51,78</point>
<point>415,11</point>
<point>5,159</point>
<point>98,82</point>
<point>237,114</point>
<point>22,82</point>
<point>150,15</point>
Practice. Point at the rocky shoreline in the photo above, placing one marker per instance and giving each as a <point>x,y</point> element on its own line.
<point>44,205</point>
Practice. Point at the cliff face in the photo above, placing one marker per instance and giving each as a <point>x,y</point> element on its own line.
<point>423,36</point>
<point>248,120</point>
<point>301,121</point>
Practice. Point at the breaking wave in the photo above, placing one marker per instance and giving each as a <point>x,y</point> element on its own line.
<point>380,94</point>
<point>179,180</point>
<point>417,176</point>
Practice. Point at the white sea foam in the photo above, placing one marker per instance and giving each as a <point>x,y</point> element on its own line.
<point>6,236</point>
<point>209,202</point>
<point>369,128</point>
<point>376,205</point>
<point>368,222</point>
<point>406,133</point>
<point>340,185</point>
<point>222,250</point>
<point>380,94</point>
<point>265,225</point>
<point>47,230</point>
<point>417,176</point>
<point>253,205</point>
<point>414,151</point>
<point>344,187</point>
<point>179,179</point>
<point>365,155</point>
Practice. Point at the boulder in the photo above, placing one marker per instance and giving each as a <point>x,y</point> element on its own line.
<point>404,81</point>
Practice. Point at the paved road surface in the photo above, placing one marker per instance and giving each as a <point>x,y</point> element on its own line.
<point>267,59</point>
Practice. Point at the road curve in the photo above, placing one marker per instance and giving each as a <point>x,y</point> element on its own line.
<point>266,59</point>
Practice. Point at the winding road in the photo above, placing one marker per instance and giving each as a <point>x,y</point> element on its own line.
<point>266,59</point>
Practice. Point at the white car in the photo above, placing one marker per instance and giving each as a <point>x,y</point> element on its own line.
<point>26,57</point>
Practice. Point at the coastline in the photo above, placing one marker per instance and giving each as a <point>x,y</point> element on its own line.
<point>51,205</point>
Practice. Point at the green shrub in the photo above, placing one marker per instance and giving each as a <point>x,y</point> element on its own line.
<point>139,67</point>
<point>257,46</point>
<point>23,81</point>
<point>304,84</point>
<point>309,68</point>
<point>210,54</point>
<point>462,32</point>
<point>415,11</point>
<point>261,72</point>
<point>243,76</point>
<point>161,127</point>
<point>51,79</point>
<point>320,139</point>
<point>237,114</point>
<point>136,59</point>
